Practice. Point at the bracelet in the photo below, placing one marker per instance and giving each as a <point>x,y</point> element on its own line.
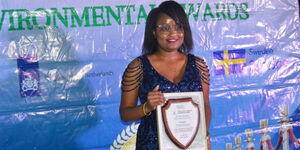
<point>144,110</point>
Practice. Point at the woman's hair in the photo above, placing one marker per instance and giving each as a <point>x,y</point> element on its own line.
<point>176,12</point>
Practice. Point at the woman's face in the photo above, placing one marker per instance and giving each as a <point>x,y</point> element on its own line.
<point>169,35</point>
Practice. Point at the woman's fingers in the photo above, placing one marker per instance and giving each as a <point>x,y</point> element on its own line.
<point>155,94</point>
<point>156,88</point>
<point>155,98</point>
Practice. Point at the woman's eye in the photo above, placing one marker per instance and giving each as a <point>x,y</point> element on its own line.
<point>165,28</point>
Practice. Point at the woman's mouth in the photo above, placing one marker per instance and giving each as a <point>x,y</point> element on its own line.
<point>172,40</point>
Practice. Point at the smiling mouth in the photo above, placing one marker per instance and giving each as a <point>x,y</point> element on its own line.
<point>172,40</point>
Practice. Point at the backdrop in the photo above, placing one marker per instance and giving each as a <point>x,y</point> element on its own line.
<point>62,62</point>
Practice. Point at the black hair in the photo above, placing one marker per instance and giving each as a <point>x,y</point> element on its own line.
<point>176,12</point>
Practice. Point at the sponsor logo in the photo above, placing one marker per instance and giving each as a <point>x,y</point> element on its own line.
<point>29,83</point>
<point>29,79</point>
<point>229,61</point>
<point>127,139</point>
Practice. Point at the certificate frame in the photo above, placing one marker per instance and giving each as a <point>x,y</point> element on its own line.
<point>165,141</point>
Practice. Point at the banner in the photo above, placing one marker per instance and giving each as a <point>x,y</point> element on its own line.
<point>62,62</point>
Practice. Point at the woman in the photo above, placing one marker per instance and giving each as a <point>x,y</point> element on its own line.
<point>165,66</point>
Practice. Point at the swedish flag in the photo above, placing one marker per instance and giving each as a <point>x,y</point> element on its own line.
<point>229,61</point>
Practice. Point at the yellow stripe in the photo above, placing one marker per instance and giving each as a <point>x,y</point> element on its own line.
<point>229,62</point>
<point>226,62</point>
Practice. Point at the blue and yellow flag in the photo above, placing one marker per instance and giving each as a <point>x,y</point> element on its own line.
<point>229,61</point>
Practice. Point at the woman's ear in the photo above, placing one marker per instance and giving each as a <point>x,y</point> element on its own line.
<point>154,34</point>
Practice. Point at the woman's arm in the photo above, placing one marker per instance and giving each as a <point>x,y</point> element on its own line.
<point>132,77</point>
<point>204,75</point>
<point>129,111</point>
<point>207,107</point>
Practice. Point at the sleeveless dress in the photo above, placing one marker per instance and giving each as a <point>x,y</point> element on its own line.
<point>147,78</point>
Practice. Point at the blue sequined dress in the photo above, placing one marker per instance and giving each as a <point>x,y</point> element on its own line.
<point>147,138</point>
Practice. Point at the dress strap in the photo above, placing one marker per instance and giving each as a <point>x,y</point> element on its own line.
<point>132,75</point>
<point>202,69</point>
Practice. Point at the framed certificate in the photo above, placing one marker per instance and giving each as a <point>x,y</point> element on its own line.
<point>181,122</point>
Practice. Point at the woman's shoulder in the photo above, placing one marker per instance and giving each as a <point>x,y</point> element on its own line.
<point>199,60</point>
<point>132,75</point>
<point>136,62</point>
<point>202,68</point>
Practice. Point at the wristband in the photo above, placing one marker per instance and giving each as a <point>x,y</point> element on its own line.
<point>144,110</point>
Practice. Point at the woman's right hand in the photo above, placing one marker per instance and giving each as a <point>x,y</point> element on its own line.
<point>154,98</point>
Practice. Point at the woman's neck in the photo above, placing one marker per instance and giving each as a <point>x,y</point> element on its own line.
<point>168,55</point>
